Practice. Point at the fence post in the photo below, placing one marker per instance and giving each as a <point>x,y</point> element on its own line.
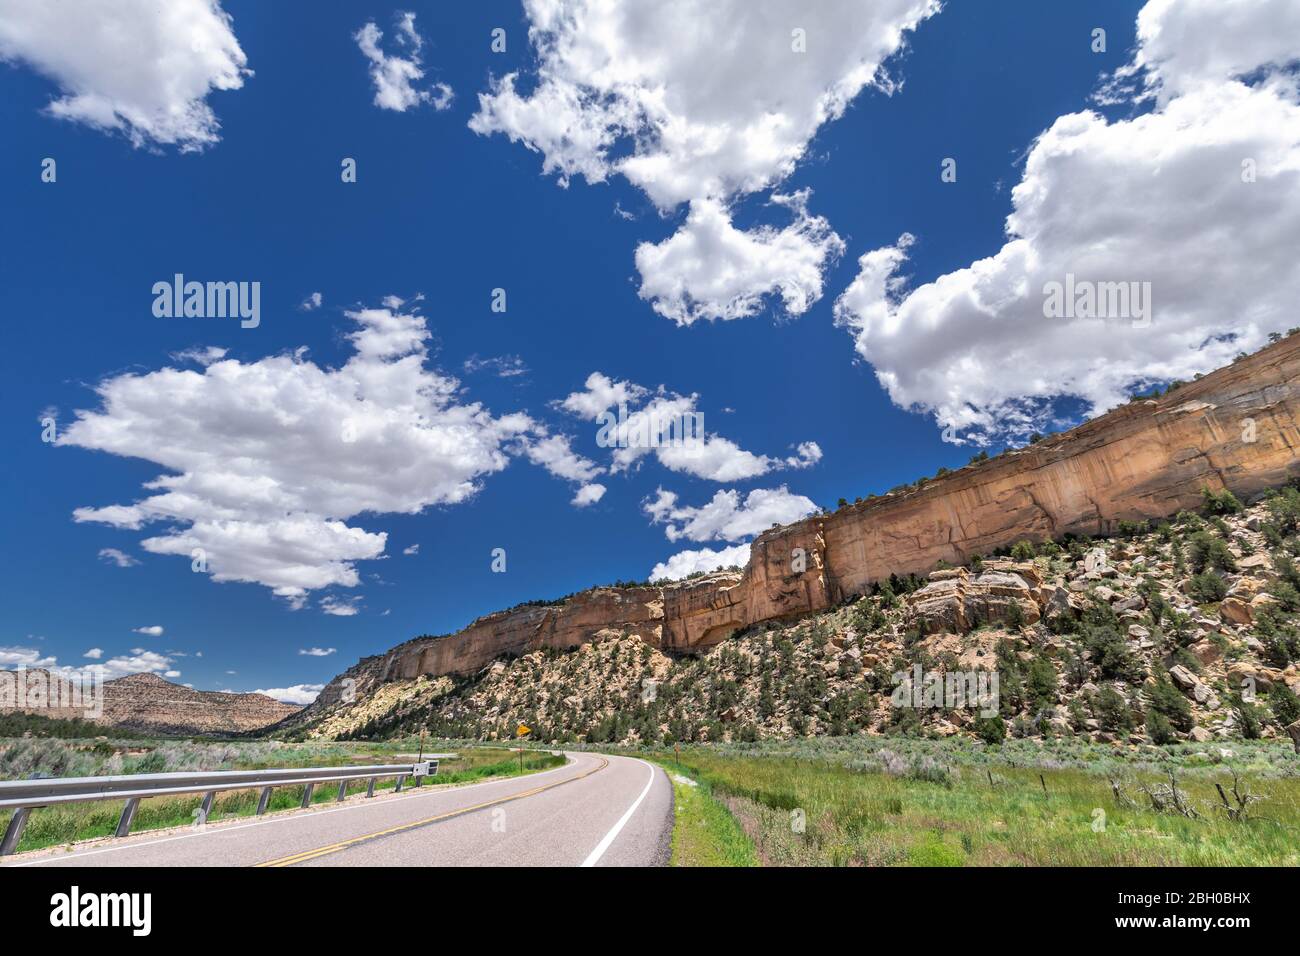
<point>263,800</point>
<point>343,791</point>
<point>306,796</point>
<point>401,779</point>
<point>370,788</point>
<point>206,806</point>
<point>128,815</point>
<point>14,832</point>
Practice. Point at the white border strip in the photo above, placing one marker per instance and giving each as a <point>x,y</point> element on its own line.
<point>603,845</point>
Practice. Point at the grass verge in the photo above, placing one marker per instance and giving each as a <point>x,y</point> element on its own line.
<point>704,831</point>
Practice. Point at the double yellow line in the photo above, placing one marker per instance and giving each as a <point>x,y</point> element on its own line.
<point>317,853</point>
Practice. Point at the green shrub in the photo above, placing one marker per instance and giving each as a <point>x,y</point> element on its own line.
<point>1207,588</point>
<point>1205,551</point>
<point>1222,502</point>
<point>1165,699</point>
<point>991,730</point>
<point>1022,550</point>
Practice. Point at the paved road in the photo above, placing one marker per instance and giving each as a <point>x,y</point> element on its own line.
<point>594,811</point>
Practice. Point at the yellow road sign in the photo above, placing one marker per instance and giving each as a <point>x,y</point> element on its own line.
<point>522,730</point>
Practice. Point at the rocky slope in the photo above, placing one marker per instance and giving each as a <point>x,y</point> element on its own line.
<point>148,703</point>
<point>1183,632</point>
<point>1237,428</point>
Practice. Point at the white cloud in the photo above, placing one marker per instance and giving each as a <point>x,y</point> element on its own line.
<point>24,657</point>
<point>685,563</point>
<point>297,694</point>
<point>138,66</point>
<point>199,356</point>
<point>555,453</point>
<point>727,517</point>
<point>670,427</point>
<point>139,661</point>
<point>413,549</point>
<point>700,101</point>
<point>153,630</point>
<point>1185,43</point>
<point>1159,198</point>
<point>601,392</point>
<point>312,302</point>
<point>503,366</point>
<point>394,75</point>
<point>317,651</point>
<point>339,607</point>
<point>266,462</point>
<point>120,558</point>
<point>588,495</point>
<point>692,98</point>
<point>709,269</point>
<point>94,654</point>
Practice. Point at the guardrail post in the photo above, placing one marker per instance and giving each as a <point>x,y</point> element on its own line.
<point>128,815</point>
<point>370,789</point>
<point>205,808</point>
<point>401,779</point>
<point>263,800</point>
<point>14,832</point>
<point>343,791</point>
<point>306,796</point>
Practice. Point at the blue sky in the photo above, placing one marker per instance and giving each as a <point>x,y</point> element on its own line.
<point>448,213</point>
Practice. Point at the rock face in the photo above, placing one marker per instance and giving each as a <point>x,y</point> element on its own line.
<point>957,601</point>
<point>1236,428</point>
<point>147,702</point>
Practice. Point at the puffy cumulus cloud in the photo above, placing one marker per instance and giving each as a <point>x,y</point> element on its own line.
<point>312,302</point>
<point>685,563</point>
<point>153,630</point>
<point>136,66</point>
<point>268,461</point>
<point>700,101</point>
<point>599,393</point>
<point>16,656</point>
<point>1195,206</point>
<point>317,651</point>
<point>588,495</point>
<point>302,694</point>
<point>634,423</point>
<point>395,74</point>
<point>691,98</point>
<point>1185,43</point>
<point>709,269</point>
<point>727,517</point>
<point>94,654</point>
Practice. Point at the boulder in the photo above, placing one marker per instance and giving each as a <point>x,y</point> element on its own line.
<point>1235,611</point>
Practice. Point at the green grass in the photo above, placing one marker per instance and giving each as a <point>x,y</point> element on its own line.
<point>55,826</point>
<point>925,811</point>
<point>704,831</point>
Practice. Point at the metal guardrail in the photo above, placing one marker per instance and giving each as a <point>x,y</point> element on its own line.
<point>24,796</point>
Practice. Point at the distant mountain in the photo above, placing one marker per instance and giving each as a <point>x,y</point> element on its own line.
<point>146,702</point>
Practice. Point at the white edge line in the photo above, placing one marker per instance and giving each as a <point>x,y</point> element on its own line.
<point>603,845</point>
<point>282,817</point>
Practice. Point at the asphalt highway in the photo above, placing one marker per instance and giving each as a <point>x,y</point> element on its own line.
<point>596,810</point>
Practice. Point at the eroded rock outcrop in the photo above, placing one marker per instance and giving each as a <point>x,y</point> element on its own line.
<point>1236,428</point>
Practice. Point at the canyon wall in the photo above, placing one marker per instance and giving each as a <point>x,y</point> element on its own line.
<point>1236,428</point>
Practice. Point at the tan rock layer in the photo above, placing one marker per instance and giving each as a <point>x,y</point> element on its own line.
<point>1236,428</point>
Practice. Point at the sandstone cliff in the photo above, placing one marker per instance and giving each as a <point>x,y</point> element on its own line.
<point>1236,428</point>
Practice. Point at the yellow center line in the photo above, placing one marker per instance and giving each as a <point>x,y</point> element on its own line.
<point>306,855</point>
